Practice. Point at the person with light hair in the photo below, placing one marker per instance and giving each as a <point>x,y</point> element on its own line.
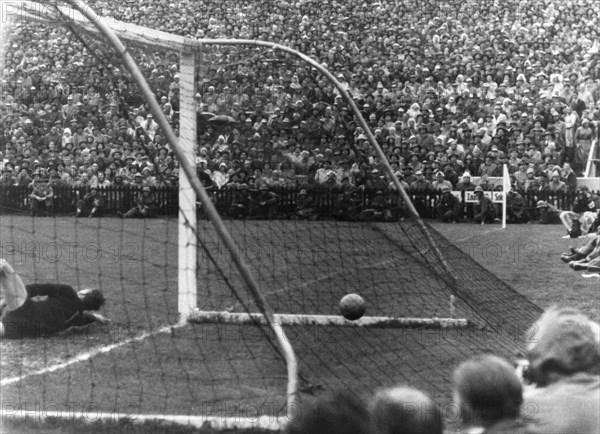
<point>564,366</point>
<point>405,410</point>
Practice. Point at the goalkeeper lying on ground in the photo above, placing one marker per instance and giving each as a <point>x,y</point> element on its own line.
<point>43,309</point>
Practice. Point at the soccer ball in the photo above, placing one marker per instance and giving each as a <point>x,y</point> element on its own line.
<point>352,306</point>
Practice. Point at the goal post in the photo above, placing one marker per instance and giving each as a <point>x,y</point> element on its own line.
<point>188,246</point>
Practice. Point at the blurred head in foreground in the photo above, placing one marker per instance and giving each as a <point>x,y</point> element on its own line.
<point>404,410</point>
<point>487,390</point>
<point>563,342</point>
<point>340,413</point>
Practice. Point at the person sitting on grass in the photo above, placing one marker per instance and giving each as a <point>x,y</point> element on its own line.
<point>145,204</point>
<point>485,211</point>
<point>44,309</point>
<point>584,210</point>
<point>406,410</point>
<point>549,214</point>
<point>586,257</point>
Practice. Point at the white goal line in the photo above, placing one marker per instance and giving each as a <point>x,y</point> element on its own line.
<point>214,422</point>
<point>215,317</point>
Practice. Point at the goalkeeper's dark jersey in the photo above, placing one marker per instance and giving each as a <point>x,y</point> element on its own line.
<point>60,310</point>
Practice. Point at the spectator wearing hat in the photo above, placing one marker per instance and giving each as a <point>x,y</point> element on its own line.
<point>484,209</point>
<point>488,393</point>
<point>266,204</point>
<point>220,177</point>
<point>564,364</point>
<point>439,181</point>
<point>420,183</point>
<point>556,185</point>
<point>41,196</point>
<point>516,208</point>
<point>305,206</point>
<point>242,201</point>
<point>465,184</point>
<point>404,409</point>
<point>531,184</point>
<point>325,174</point>
<point>144,205</point>
<point>583,143</point>
<point>377,208</point>
<point>91,205</point>
<point>449,207</point>
<point>8,179</point>
<point>569,177</point>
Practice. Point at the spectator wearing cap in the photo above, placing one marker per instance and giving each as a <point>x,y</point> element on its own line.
<point>91,205</point>
<point>8,179</point>
<point>325,174</point>
<point>42,195</point>
<point>144,205</point>
<point>420,183</point>
<point>220,177</point>
<point>488,167</point>
<point>305,206</point>
<point>531,184</point>
<point>564,365</point>
<point>242,201</point>
<point>439,181</point>
<point>516,208</point>
<point>484,209</point>
<point>403,409</point>
<point>488,392</point>
<point>449,207</point>
<point>465,184</point>
<point>265,205</point>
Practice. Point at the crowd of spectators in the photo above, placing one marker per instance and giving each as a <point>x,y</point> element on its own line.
<point>451,91</point>
<point>555,390</point>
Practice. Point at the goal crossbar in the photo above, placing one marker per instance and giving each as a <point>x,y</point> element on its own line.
<point>211,317</point>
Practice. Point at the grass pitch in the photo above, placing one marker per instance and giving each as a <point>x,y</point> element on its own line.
<point>303,267</point>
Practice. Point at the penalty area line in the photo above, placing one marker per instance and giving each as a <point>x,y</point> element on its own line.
<point>90,354</point>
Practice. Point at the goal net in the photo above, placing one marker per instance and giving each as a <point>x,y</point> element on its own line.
<point>428,304</point>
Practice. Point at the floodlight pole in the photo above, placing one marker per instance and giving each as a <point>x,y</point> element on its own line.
<point>243,269</point>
